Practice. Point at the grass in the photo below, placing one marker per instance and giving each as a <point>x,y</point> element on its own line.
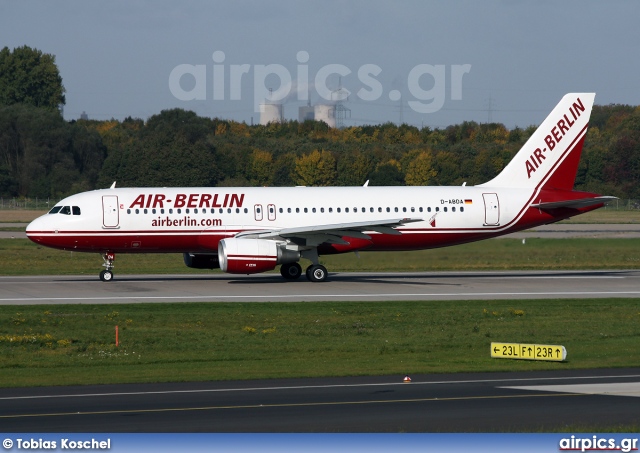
<point>19,215</point>
<point>606,215</point>
<point>23,257</point>
<point>74,344</point>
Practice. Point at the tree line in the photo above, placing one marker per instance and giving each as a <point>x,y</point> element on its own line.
<point>44,156</point>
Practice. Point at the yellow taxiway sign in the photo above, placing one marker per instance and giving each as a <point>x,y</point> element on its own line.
<point>524,351</point>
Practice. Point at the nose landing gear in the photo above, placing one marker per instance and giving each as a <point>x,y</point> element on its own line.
<point>107,275</point>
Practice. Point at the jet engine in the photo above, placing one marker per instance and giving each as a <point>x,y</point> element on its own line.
<point>251,256</point>
<point>201,260</point>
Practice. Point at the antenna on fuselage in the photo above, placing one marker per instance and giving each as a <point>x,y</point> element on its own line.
<point>113,186</point>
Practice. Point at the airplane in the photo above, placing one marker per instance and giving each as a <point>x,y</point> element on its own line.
<point>247,230</point>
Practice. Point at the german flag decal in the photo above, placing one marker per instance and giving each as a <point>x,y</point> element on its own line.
<point>468,201</point>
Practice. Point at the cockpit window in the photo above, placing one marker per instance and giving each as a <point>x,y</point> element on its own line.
<point>76,210</point>
<point>65,210</point>
<point>55,209</point>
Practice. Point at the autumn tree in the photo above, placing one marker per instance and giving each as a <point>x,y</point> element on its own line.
<point>420,170</point>
<point>354,169</point>
<point>317,168</point>
<point>388,173</point>
<point>170,150</point>
<point>261,168</point>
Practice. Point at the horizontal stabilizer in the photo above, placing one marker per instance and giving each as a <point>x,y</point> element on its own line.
<point>579,203</point>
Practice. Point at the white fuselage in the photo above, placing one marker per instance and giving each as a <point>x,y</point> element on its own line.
<point>195,219</point>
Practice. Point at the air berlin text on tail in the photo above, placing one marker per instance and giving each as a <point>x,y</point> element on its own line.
<point>555,136</point>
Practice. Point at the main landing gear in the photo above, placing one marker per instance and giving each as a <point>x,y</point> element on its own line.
<point>107,275</point>
<point>315,272</point>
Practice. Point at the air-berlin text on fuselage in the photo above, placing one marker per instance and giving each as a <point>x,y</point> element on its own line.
<point>192,200</point>
<point>555,135</point>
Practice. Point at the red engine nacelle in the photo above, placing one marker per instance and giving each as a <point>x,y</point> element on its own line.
<point>251,256</point>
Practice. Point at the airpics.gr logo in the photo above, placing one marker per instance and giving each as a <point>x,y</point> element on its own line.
<point>427,84</point>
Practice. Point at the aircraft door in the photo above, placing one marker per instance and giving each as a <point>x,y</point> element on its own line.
<point>491,209</point>
<point>110,212</point>
<point>257,212</point>
<point>271,212</point>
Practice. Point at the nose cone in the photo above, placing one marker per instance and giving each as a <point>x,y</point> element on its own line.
<point>37,229</point>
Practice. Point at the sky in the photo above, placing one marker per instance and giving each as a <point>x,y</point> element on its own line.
<point>425,63</point>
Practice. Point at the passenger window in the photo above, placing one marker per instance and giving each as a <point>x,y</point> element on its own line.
<point>162,211</point>
<point>445,209</point>
<point>128,211</point>
<point>297,210</point>
<point>346,209</point>
<point>330,209</point>
<point>321,209</point>
<point>404,209</point>
<point>395,209</point>
<point>153,211</point>
<point>388,209</point>
<point>413,209</point>
<point>229,210</point>
<point>461,209</point>
<point>313,210</point>
<point>437,209</point>
<point>289,210</point>
<point>420,209</point>
<point>137,211</point>
<point>76,210</point>
<point>453,209</point>
<point>170,210</point>
<point>186,211</point>
<point>429,209</point>
<point>306,210</point>
<point>237,210</point>
<point>379,209</point>
<point>246,211</point>
<point>370,209</point>
<point>179,211</point>
<point>338,209</point>
<point>281,210</point>
<point>145,211</point>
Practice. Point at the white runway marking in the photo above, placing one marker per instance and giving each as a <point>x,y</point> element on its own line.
<point>385,384</point>
<point>617,389</point>
<point>321,297</point>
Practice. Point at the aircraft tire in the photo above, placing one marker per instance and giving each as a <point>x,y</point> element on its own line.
<point>291,271</point>
<point>106,276</point>
<point>317,273</point>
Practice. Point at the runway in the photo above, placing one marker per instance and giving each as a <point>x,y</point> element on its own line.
<point>339,287</point>
<point>489,402</point>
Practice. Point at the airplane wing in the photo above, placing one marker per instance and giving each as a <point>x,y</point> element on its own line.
<point>579,203</point>
<point>331,233</point>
